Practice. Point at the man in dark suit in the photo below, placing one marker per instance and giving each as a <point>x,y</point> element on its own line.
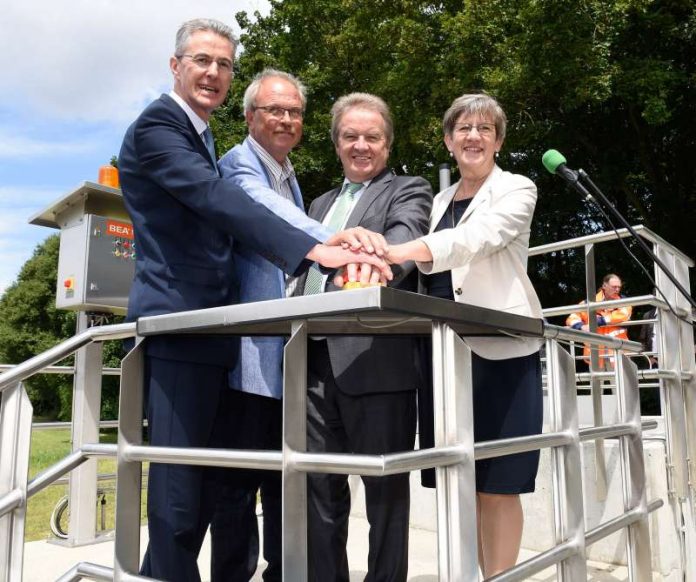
<point>184,216</point>
<point>362,390</point>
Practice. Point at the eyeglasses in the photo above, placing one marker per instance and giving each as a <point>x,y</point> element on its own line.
<point>278,112</point>
<point>203,61</point>
<point>484,129</point>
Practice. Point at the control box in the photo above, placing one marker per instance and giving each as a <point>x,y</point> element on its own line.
<point>96,265</point>
<point>96,259</point>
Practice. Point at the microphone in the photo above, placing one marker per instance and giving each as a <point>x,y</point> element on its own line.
<point>555,162</point>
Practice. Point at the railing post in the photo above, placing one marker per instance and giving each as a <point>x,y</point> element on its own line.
<point>85,429</point>
<point>633,469</point>
<point>678,402</point>
<point>295,439</point>
<point>456,484</point>
<point>596,385</point>
<point>15,440</point>
<point>129,473</point>
<point>569,516</point>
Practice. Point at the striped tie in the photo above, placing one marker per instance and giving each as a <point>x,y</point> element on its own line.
<point>315,279</point>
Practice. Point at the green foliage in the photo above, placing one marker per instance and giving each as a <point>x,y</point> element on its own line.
<point>610,83</point>
<point>49,446</point>
<point>31,324</point>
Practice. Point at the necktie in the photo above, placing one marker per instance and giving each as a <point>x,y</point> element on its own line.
<point>207,136</point>
<point>344,202</point>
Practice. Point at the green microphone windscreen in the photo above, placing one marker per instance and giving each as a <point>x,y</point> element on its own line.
<point>552,159</point>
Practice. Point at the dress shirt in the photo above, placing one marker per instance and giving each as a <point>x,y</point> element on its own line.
<point>198,124</point>
<point>279,174</point>
<point>327,218</point>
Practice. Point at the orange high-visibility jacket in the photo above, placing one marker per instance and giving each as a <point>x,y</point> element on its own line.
<point>605,317</point>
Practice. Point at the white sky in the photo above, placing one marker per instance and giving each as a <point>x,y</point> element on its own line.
<point>75,73</point>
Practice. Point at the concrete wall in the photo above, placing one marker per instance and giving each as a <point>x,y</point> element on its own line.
<point>538,509</point>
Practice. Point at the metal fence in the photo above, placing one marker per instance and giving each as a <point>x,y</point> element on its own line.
<point>367,312</point>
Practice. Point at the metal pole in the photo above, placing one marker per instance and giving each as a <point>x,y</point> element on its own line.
<point>569,520</point>
<point>672,396</point>
<point>633,470</point>
<point>129,473</point>
<point>445,176</point>
<point>456,484</point>
<point>676,354</point>
<point>295,439</point>
<point>596,388</point>
<point>15,440</point>
<point>82,491</point>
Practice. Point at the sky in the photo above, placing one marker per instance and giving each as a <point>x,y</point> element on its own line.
<point>75,74</point>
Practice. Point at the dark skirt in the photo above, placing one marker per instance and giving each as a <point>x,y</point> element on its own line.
<point>507,399</point>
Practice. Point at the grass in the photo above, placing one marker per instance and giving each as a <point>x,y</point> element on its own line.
<point>48,446</point>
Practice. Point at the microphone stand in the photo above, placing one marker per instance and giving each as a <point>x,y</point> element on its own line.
<point>582,175</point>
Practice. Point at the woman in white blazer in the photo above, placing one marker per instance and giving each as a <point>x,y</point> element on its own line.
<point>476,253</point>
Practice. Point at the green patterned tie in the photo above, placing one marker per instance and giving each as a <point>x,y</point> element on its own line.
<point>315,279</point>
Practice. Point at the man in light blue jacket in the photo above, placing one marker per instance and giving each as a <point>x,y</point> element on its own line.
<point>274,106</point>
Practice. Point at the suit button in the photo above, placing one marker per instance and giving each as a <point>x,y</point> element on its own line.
<point>458,290</point>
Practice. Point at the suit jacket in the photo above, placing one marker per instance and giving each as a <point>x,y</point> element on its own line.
<point>183,215</point>
<point>259,369</point>
<point>487,254</point>
<point>397,207</point>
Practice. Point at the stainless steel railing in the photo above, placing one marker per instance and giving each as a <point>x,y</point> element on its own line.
<point>352,312</point>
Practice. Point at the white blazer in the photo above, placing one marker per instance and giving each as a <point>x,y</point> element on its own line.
<point>487,254</point>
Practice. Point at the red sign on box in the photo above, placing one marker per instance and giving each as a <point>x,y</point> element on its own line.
<point>120,229</point>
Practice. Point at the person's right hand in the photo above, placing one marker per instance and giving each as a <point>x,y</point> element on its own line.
<point>337,256</point>
<point>359,238</point>
<point>363,273</point>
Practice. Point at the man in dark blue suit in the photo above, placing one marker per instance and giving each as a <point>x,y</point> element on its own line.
<point>185,216</point>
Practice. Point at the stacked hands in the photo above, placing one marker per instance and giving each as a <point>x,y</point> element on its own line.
<point>361,255</point>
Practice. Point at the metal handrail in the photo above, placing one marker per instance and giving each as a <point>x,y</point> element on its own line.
<point>334,463</point>
<point>607,236</point>
<point>68,370</point>
<point>63,350</point>
<point>558,332</point>
<point>609,304</point>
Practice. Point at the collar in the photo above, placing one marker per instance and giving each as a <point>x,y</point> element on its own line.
<point>279,171</point>
<point>365,184</point>
<point>198,124</point>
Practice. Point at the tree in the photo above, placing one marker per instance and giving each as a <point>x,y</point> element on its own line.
<point>31,324</point>
<point>587,78</point>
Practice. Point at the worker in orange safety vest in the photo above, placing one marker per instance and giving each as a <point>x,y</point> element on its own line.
<point>606,318</point>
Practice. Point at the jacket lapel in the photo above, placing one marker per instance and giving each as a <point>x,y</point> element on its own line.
<point>197,139</point>
<point>378,185</point>
<point>321,206</point>
<point>442,202</point>
<point>296,194</point>
<point>483,195</point>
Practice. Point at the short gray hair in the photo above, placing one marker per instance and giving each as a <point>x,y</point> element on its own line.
<point>475,104</point>
<point>253,89</point>
<point>361,101</point>
<point>202,24</point>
